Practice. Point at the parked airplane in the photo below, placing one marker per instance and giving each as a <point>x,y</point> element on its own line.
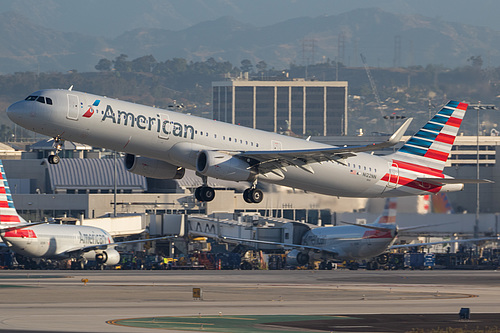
<point>350,242</point>
<point>338,243</point>
<point>161,144</point>
<point>55,241</point>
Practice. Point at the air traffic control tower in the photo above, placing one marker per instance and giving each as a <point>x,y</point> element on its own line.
<point>302,107</point>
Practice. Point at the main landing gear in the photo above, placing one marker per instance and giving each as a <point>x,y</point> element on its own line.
<point>253,195</point>
<point>206,193</point>
<point>54,159</point>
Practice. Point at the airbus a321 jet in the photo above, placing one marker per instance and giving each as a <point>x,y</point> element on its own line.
<point>55,241</point>
<point>161,144</point>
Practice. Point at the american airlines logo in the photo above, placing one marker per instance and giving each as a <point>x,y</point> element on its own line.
<point>91,109</point>
<point>159,124</point>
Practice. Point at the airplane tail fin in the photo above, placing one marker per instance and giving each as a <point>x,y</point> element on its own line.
<point>8,213</point>
<point>389,214</point>
<point>427,151</point>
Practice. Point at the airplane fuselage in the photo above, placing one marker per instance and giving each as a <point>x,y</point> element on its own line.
<point>178,138</point>
<point>51,241</point>
<point>351,242</point>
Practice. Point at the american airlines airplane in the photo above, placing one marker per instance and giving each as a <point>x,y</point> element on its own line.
<point>337,243</point>
<point>162,144</point>
<point>351,242</point>
<point>55,241</point>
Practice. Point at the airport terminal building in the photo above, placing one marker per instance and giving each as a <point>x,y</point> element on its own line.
<point>302,107</point>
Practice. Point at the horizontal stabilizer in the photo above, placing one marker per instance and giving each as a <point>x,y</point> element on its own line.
<point>17,227</point>
<point>443,181</point>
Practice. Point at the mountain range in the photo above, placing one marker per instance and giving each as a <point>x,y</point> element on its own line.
<point>386,39</point>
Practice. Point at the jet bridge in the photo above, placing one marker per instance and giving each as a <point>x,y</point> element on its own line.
<point>247,226</point>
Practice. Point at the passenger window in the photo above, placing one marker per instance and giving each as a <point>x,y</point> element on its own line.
<point>229,139</point>
<point>48,100</point>
<point>256,145</point>
<point>365,168</point>
<point>201,133</point>
<point>223,138</point>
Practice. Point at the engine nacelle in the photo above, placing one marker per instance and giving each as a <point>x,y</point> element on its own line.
<point>108,257</point>
<point>152,168</point>
<point>223,166</point>
<point>297,258</point>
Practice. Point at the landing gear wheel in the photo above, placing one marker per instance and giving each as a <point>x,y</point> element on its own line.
<point>54,159</point>
<point>197,194</point>
<point>253,195</point>
<point>256,195</point>
<point>246,195</point>
<point>204,193</point>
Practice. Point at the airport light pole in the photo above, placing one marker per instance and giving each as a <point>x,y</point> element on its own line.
<point>478,107</point>
<point>394,118</point>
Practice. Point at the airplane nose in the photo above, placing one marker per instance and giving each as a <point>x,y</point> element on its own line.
<point>11,110</point>
<point>16,112</point>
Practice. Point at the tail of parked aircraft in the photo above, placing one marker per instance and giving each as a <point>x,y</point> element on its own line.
<point>389,214</point>
<point>8,213</point>
<point>427,151</point>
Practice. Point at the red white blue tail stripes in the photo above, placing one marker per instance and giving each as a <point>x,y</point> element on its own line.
<point>8,213</point>
<point>431,145</point>
<point>389,214</point>
<point>424,155</point>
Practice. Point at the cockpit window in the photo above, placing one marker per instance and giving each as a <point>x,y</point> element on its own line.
<point>40,99</point>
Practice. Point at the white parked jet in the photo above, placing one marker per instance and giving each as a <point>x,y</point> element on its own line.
<point>161,144</point>
<point>55,241</point>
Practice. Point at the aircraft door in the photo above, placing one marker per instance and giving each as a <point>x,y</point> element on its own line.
<point>164,126</point>
<point>72,107</point>
<point>276,145</point>
<point>392,182</point>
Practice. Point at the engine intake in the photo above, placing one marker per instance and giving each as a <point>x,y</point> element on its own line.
<point>223,166</point>
<point>109,257</point>
<point>152,168</point>
<point>297,258</point>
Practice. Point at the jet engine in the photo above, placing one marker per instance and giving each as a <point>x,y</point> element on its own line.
<point>297,258</point>
<point>223,166</point>
<point>109,257</point>
<point>152,168</point>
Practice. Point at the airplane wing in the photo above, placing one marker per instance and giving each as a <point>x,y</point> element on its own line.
<point>368,226</point>
<point>230,239</point>
<point>274,160</point>
<point>105,246</point>
<point>471,240</point>
<point>285,245</point>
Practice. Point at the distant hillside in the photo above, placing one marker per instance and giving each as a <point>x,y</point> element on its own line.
<point>384,38</point>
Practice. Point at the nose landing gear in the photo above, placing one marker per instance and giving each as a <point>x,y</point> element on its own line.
<point>54,159</point>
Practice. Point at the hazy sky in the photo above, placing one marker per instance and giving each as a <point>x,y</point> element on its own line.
<point>110,18</point>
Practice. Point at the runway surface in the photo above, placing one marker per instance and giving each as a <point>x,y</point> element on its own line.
<point>58,301</point>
